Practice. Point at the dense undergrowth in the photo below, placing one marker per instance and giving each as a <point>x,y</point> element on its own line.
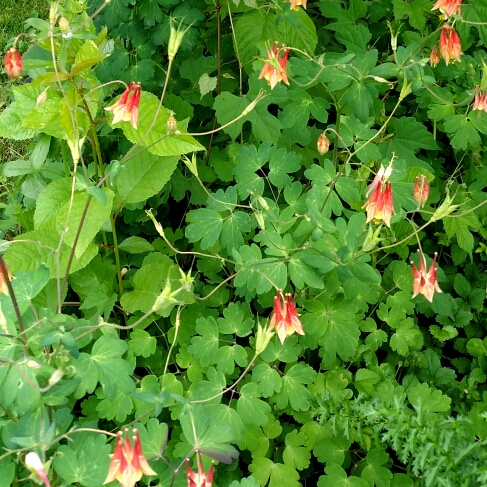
<point>221,222</point>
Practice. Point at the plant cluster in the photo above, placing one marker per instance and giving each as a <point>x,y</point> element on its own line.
<point>246,245</point>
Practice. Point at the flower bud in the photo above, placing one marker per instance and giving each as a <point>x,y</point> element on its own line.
<point>323,144</point>
<point>434,57</point>
<point>63,25</point>
<point>55,377</point>
<point>171,124</point>
<point>13,63</point>
<point>41,99</point>
<point>421,190</point>
<point>34,464</point>
<point>175,39</point>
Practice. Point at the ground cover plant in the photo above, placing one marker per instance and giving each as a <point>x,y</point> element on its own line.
<point>245,245</point>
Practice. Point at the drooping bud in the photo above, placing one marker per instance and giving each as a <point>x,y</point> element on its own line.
<point>63,25</point>
<point>421,190</point>
<point>323,144</point>
<point>434,57</point>
<point>35,465</point>
<point>13,63</point>
<point>171,124</point>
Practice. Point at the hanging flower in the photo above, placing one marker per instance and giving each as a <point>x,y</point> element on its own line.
<point>323,144</point>
<point>128,463</point>
<point>126,108</point>
<point>380,206</point>
<point>448,7</point>
<point>274,69</point>
<point>285,318</point>
<point>450,47</point>
<point>434,57</point>
<point>13,63</point>
<point>35,465</point>
<point>200,479</point>
<point>296,3</point>
<point>425,282</point>
<point>480,100</point>
<point>421,190</point>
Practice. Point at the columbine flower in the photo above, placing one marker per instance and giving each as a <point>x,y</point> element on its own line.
<point>13,63</point>
<point>274,69</point>
<point>480,100</point>
<point>285,318</point>
<point>421,190</point>
<point>450,47</point>
<point>128,463</point>
<point>34,464</point>
<point>380,205</point>
<point>448,7</point>
<point>296,3</point>
<point>323,144</point>
<point>200,479</point>
<point>434,57</point>
<point>127,107</point>
<point>425,282</point>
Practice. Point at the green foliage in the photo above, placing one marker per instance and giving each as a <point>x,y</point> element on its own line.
<point>163,265</point>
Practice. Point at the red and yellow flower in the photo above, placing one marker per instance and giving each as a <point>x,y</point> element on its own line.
<point>274,69</point>
<point>126,108</point>
<point>448,7</point>
<point>200,478</point>
<point>128,462</point>
<point>13,63</point>
<point>285,319</point>
<point>480,100</point>
<point>380,206</point>
<point>450,47</point>
<point>425,282</point>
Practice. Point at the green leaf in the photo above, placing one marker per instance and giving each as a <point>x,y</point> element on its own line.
<point>293,391</point>
<point>337,477</point>
<point>280,475</point>
<point>374,472</point>
<point>459,227</point>
<point>145,175</point>
<point>205,225</point>
<point>157,140</point>
<point>206,84</point>
<point>282,163</point>
<point>227,356</point>
<point>246,482</point>
<point>462,132</point>
<point>204,346</point>
<point>423,398</point>
<point>42,247</point>
<point>86,463</point>
<point>135,245</point>
<point>237,320</point>
<point>295,454</point>
<point>142,344</point>
<point>250,408</point>
<point>268,379</point>
<point>407,336</point>
<point>365,381</point>
<point>106,366</point>
<point>7,468</point>
<point>50,199</point>
<point>118,408</point>
<point>207,433</point>
<point>248,32</point>
<point>415,12</point>
<point>71,213</point>
<point>301,273</point>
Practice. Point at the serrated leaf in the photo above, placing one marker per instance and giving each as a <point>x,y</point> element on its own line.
<point>145,175</point>
<point>295,454</point>
<point>423,398</point>
<point>250,408</point>
<point>280,475</point>
<point>141,343</point>
<point>268,379</point>
<point>70,214</point>
<point>293,391</point>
